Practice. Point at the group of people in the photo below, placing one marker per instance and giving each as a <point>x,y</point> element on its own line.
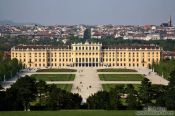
<point>81,85</point>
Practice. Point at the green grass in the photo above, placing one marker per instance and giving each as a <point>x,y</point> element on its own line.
<point>57,70</point>
<point>116,70</point>
<point>107,87</point>
<point>54,77</point>
<point>66,87</point>
<point>121,77</point>
<point>71,113</point>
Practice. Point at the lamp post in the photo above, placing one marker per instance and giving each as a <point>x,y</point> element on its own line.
<point>4,78</point>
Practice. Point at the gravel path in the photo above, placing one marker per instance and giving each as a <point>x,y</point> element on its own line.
<point>152,76</point>
<point>86,82</point>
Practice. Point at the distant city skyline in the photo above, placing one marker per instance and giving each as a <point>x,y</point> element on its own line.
<point>90,12</point>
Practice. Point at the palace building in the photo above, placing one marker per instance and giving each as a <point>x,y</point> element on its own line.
<point>86,55</point>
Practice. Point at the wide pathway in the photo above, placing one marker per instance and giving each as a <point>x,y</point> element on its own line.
<point>152,76</point>
<point>31,73</point>
<point>117,72</point>
<point>86,82</point>
<point>120,82</point>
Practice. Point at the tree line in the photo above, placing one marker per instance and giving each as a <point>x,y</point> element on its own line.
<point>164,67</point>
<point>7,42</point>
<point>128,98</point>
<point>29,94</point>
<point>8,67</point>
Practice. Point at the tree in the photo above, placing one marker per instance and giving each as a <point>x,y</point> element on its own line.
<point>145,92</point>
<point>159,94</point>
<point>132,99</point>
<point>115,97</point>
<point>1,88</point>
<point>170,94</point>
<point>76,101</point>
<point>87,34</point>
<point>99,100</point>
<point>54,98</point>
<point>42,89</point>
<point>2,99</point>
<point>1,56</point>
<point>26,91</point>
<point>61,99</point>
<point>9,68</point>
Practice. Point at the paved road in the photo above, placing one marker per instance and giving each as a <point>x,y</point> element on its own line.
<point>30,73</point>
<point>59,82</point>
<point>48,82</point>
<point>117,72</point>
<point>120,82</point>
<point>86,82</point>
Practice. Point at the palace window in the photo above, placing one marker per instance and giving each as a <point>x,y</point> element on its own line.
<point>96,59</point>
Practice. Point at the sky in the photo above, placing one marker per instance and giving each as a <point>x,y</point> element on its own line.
<point>91,12</point>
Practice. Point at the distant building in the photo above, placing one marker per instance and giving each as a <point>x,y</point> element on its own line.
<point>153,37</point>
<point>96,35</point>
<point>168,24</point>
<point>168,55</point>
<point>164,25</point>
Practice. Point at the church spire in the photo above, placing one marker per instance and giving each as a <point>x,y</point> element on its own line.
<point>170,22</point>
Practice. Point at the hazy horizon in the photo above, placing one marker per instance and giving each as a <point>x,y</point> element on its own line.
<point>90,12</point>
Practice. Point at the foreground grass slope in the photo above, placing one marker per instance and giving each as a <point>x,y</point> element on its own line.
<point>70,113</point>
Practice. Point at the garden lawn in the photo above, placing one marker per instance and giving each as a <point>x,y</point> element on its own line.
<point>66,87</point>
<point>54,77</point>
<point>121,77</point>
<point>107,87</point>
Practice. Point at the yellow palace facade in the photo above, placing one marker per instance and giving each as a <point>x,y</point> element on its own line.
<point>86,55</point>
